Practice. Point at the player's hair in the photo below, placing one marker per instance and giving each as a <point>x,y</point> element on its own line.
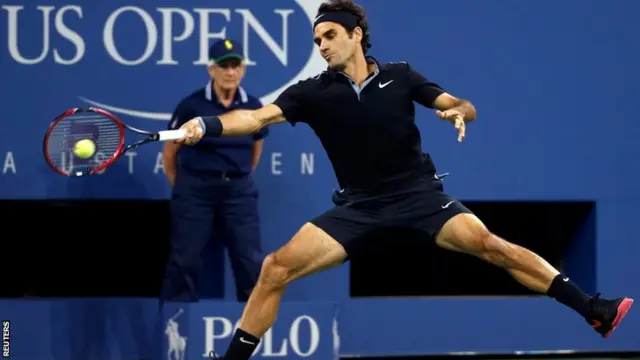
<point>354,9</point>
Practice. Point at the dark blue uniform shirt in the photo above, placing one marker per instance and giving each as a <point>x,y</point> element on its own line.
<point>227,154</point>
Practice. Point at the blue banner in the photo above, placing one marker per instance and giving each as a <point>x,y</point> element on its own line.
<point>543,89</point>
<point>303,330</point>
<point>137,59</point>
<point>115,329</point>
<point>104,329</point>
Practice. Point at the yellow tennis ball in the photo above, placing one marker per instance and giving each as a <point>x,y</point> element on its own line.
<point>84,149</point>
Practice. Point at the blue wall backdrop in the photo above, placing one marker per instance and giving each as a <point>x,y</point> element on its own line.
<point>555,85</point>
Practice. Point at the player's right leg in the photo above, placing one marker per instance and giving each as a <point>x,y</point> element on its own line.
<point>456,228</point>
<point>464,232</point>
<point>309,251</point>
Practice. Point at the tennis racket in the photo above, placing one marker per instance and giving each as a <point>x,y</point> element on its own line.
<point>102,133</point>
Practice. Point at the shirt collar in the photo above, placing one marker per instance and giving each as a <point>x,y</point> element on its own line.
<point>369,59</point>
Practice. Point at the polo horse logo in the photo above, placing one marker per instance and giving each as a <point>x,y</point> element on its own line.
<point>177,344</point>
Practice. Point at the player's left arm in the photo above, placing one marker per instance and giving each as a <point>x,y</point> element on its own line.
<point>431,95</point>
<point>446,103</point>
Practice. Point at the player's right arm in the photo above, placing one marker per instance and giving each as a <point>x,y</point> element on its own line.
<point>234,123</point>
<point>290,106</point>
<point>245,122</point>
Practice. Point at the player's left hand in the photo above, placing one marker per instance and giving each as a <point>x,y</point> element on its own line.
<point>456,118</point>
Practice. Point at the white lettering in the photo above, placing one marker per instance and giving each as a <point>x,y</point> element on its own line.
<point>306,163</point>
<point>12,25</point>
<point>210,335</point>
<point>314,336</point>
<point>205,35</point>
<point>250,21</point>
<point>267,340</point>
<point>9,163</point>
<point>99,159</point>
<point>171,17</point>
<point>159,164</point>
<point>63,162</point>
<point>6,339</point>
<point>275,163</point>
<point>109,41</point>
<point>215,332</point>
<point>131,155</point>
<point>70,35</point>
<point>167,32</point>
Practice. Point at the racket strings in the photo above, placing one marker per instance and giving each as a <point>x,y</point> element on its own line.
<point>101,130</point>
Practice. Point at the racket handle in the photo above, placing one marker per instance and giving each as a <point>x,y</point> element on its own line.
<point>171,134</point>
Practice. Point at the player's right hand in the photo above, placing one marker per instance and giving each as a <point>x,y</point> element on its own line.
<point>194,132</point>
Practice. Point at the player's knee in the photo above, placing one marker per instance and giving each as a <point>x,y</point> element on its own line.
<point>274,274</point>
<point>495,250</point>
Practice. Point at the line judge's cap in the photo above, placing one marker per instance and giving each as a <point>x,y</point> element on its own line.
<point>225,49</point>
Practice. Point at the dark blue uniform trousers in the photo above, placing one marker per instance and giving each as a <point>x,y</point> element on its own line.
<point>209,211</point>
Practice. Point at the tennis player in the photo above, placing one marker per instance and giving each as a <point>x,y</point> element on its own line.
<point>363,113</point>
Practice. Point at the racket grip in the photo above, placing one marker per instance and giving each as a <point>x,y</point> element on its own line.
<point>167,135</point>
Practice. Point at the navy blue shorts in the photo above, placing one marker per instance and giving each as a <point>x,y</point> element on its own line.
<point>420,205</point>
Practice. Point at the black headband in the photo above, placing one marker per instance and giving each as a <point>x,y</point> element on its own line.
<point>348,20</point>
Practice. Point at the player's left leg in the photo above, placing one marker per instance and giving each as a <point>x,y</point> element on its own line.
<point>464,232</point>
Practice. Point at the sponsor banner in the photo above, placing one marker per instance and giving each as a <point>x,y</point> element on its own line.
<point>106,329</point>
<point>139,58</point>
<point>116,329</point>
<point>306,330</point>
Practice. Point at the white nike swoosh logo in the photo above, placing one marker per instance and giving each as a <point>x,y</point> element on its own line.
<point>381,85</point>
<point>135,113</point>
<point>319,16</point>
<point>246,342</point>
<point>447,204</point>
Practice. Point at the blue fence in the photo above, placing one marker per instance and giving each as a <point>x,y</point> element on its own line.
<point>142,329</point>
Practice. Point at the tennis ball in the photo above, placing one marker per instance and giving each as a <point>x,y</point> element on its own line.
<point>84,149</point>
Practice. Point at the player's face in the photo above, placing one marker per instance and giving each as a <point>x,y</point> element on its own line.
<point>228,74</point>
<point>335,44</point>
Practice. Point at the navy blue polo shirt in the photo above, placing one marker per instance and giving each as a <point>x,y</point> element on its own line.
<point>368,131</point>
<point>228,154</point>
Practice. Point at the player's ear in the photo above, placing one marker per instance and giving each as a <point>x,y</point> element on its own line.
<point>357,33</point>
